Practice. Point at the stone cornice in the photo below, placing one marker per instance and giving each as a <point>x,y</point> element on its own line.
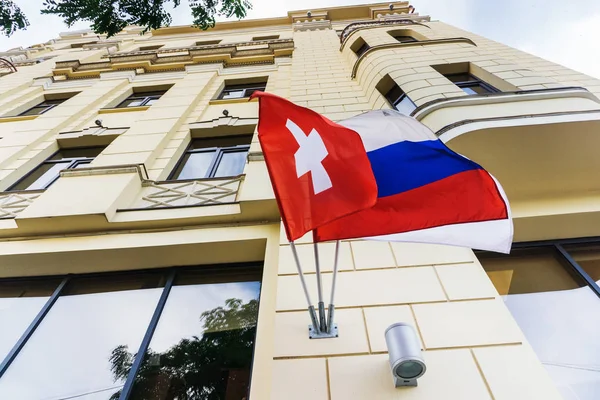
<point>176,59</point>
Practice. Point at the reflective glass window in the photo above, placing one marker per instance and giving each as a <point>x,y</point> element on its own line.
<point>203,345</point>
<point>399,100</point>
<point>44,106</point>
<point>138,99</point>
<point>213,158</point>
<point>20,301</point>
<point>556,310</point>
<point>232,91</point>
<point>73,352</point>
<point>47,173</point>
<point>470,84</point>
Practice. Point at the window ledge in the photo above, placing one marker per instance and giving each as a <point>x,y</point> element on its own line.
<point>122,109</point>
<point>18,118</point>
<point>231,101</point>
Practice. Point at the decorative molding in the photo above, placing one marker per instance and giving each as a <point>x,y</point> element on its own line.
<point>176,59</point>
<point>122,110</point>
<point>223,126</point>
<point>12,203</point>
<point>256,156</point>
<point>107,170</point>
<point>18,118</point>
<point>189,193</point>
<point>311,25</point>
<point>406,44</point>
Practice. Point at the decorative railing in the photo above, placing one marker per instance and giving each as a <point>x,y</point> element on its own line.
<point>6,67</point>
<point>12,203</point>
<point>188,193</point>
<point>351,28</point>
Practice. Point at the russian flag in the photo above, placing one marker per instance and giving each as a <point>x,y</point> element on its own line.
<point>425,192</point>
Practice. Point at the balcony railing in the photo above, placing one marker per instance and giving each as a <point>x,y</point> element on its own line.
<point>12,203</point>
<point>202,192</point>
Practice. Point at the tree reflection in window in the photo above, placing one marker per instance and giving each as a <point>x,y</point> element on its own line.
<point>215,366</point>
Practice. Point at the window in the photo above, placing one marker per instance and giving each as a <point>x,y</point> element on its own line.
<point>47,172</point>
<point>142,99</point>
<point>43,107</point>
<point>213,157</point>
<point>551,291</point>
<point>399,100</point>
<point>80,45</point>
<point>268,37</point>
<point>208,42</point>
<point>359,47</point>
<point>153,47</point>
<point>395,96</point>
<point>471,84</point>
<point>404,39</point>
<point>239,91</point>
<point>85,346</point>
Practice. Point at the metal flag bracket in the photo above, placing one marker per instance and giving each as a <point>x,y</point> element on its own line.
<point>324,326</point>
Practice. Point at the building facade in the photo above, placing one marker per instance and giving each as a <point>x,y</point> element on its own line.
<point>141,251</point>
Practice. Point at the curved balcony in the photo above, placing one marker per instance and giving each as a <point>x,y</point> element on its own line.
<point>542,145</point>
<point>387,46</point>
<point>357,26</point>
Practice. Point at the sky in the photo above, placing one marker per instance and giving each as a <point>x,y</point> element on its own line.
<point>566,33</point>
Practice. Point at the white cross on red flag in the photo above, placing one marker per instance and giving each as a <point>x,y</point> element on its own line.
<point>319,169</point>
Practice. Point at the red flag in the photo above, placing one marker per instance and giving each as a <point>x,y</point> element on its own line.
<point>319,169</point>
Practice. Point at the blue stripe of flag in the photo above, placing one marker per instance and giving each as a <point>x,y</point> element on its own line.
<point>405,165</point>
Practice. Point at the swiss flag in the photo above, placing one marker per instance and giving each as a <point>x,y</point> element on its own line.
<point>319,169</point>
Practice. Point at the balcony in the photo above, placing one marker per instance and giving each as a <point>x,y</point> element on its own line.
<point>540,144</point>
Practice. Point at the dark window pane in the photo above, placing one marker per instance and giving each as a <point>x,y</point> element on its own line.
<point>20,301</point>
<point>362,49</point>
<point>405,39</point>
<point>203,344</point>
<point>529,271</point>
<point>475,89</point>
<point>588,257</point>
<point>35,111</point>
<point>557,313</point>
<point>231,163</point>
<point>195,165</point>
<point>80,348</point>
<point>133,102</point>
<point>41,177</point>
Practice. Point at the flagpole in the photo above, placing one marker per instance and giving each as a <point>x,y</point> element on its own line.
<point>311,308</point>
<point>321,304</point>
<point>335,270</point>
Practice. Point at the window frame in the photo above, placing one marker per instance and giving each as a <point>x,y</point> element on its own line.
<point>245,87</point>
<point>215,162</point>
<point>412,39</point>
<point>400,99</point>
<point>558,246</point>
<point>72,163</point>
<point>169,274</point>
<point>51,104</point>
<point>145,96</point>
<point>472,82</point>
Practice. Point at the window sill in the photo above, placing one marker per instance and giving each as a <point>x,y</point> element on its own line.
<point>231,101</point>
<point>122,109</point>
<point>18,118</point>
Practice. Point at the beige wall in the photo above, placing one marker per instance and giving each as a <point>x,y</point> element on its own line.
<point>472,346</point>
